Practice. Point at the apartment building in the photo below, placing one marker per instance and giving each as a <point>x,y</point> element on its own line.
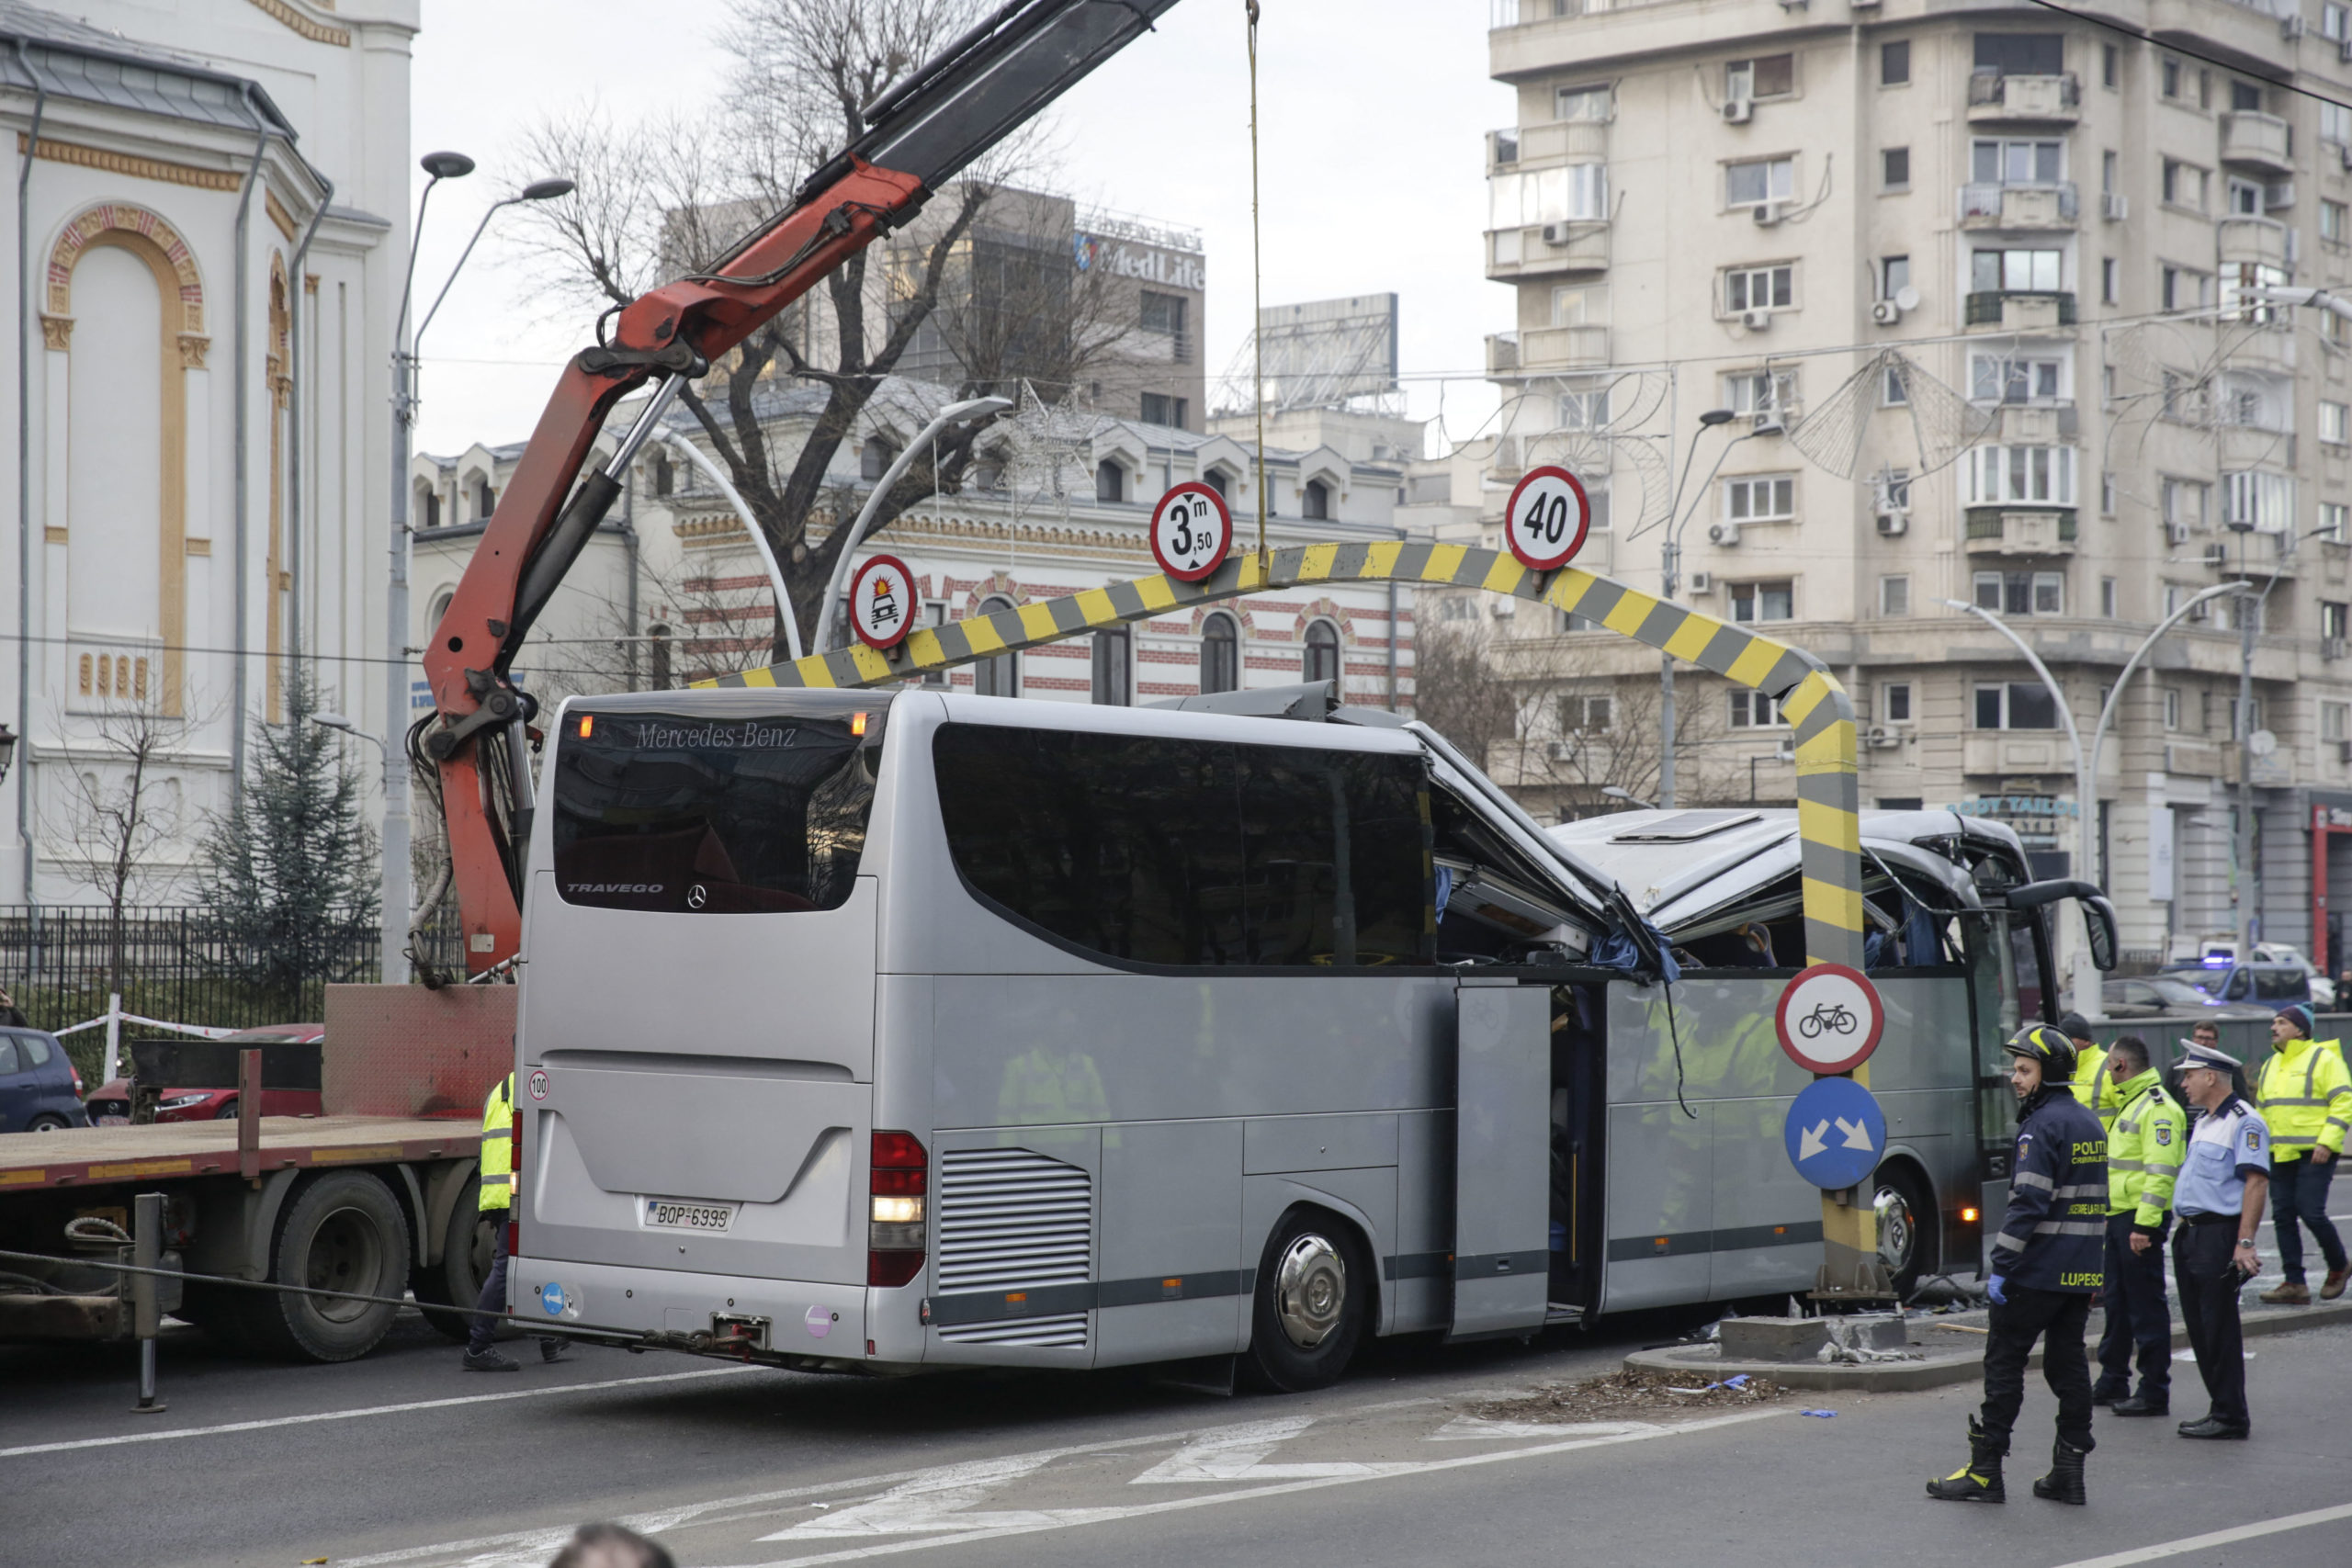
<point>1981,286</point>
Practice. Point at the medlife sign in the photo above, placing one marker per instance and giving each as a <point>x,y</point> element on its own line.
<point>1148,264</point>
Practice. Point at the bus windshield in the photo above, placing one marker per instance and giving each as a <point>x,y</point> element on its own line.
<point>699,815</point>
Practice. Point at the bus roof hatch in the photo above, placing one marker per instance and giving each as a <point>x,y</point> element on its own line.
<point>1684,827</point>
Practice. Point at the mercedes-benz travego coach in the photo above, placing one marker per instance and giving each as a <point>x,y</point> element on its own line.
<point>881,1031</point>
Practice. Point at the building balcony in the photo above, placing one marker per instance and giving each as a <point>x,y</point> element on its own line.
<point>2246,446</point>
<point>2018,312</point>
<point>1542,350</point>
<point>2263,241</point>
<point>2261,141</point>
<point>2050,100</point>
<point>1546,249</point>
<point>2011,753</point>
<point>2034,424</point>
<point>2269,349</point>
<point>2018,206</point>
<point>2020,531</point>
<point>1555,141</point>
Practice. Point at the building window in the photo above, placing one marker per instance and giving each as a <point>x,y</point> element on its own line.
<point>1220,654</point>
<point>1163,314</point>
<point>1760,289</point>
<point>2016,704</point>
<point>1001,676</point>
<point>432,510</point>
<point>2186,185</point>
<point>1894,167</point>
<point>665,478</point>
<point>1159,408</point>
<point>2264,502</point>
<point>1315,500</point>
<point>2335,521</point>
<point>1763,600</point>
<point>1893,276</point>
<point>1764,179</point>
<point>2111,65</point>
<point>2335,423</point>
<point>875,458</point>
<point>2107,597</point>
<point>1113,670</point>
<point>1894,490</point>
<point>1767,76</point>
<point>2017,163</point>
<point>1585,410</point>
<point>2245,97</point>
<point>1894,390</point>
<point>1760,391</point>
<point>2335,620</point>
<point>2023,378</point>
<point>1895,702</point>
<point>2335,21</point>
<point>2183,289</point>
<point>2336,722</point>
<point>1321,659</point>
<point>1894,595</point>
<point>1763,497</point>
<point>1895,64</point>
<point>1754,710</point>
<point>1216,479</point>
<point>1999,476</point>
<point>2168,78</point>
<point>485,498</point>
<point>2239,299</point>
<point>1587,104</point>
<point>2185,502</point>
<point>2172,708</point>
<point>1110,481</point>
<point>2111,279</point>
<point>1587,715</point>
<point>2332,215</point>
<point>2335,123</point>
<point>2107,492</point>
<point>2021,592</point>
<point>2017,271</point>
<point>2241,198</point>
<point>2022,55</point>
<point>1579,192</point>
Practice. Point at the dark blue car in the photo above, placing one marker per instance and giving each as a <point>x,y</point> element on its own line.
<point>40,1090</point>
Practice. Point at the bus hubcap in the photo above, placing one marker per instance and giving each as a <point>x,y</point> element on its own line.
<point>1894,1230</point>
<point>1310,1290</point>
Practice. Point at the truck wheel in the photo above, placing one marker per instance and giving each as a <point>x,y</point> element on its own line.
<point>1313,1299</point>
<point>456,1279</point>
<point>341,1230</point>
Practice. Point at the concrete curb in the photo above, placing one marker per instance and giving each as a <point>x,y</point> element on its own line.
<point>1941,1367</point>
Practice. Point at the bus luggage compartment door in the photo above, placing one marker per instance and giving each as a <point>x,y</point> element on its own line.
<point>1502,1156</point>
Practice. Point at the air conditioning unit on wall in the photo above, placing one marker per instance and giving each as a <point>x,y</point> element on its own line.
<point>1738,111</point>
<point>1886,312</point>
<point>1894,524</point>
<point>1755,320</point>
<point>1725,535</point>
<point>1702,582</point>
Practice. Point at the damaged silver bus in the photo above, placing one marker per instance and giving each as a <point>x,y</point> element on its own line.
<point>880,1030</point>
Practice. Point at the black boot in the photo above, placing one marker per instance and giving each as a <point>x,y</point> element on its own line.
<point>2064,1482</point>
<point>1978,1481</point>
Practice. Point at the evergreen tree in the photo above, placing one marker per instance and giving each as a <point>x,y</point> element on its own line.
<point>290,871</point>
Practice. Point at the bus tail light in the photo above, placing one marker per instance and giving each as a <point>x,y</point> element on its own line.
<point>894,1229</point>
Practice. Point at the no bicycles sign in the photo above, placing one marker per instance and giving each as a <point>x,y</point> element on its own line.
<point>1829,1018</point>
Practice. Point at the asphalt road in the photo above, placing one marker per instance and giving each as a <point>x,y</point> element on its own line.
<point>404,1458</point>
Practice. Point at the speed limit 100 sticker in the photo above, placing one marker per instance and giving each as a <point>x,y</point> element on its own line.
<point>1192,532</point>
<point>881,601</point>
<point>1831,1018</point>
<point>1547,519</point>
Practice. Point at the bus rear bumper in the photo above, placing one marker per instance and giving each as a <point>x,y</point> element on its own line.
<point>785,1320</point>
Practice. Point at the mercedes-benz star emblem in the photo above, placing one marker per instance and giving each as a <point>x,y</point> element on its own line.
<point>697,895</point>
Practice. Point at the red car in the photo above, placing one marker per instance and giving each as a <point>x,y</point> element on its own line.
<point>110,1104</point>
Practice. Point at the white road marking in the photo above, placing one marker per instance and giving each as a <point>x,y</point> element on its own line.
<point>1053,1519</point>
<point>2157,1553</point>
<point>124,1439</point>
<point>1239,1454</point>
<point>939,1499</point>
<point>1462,1427</point>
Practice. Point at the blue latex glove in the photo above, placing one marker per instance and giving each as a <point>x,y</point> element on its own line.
<point>1994,1288</point>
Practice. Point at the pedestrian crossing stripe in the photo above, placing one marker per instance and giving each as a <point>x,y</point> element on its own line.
<point>1818,709</point>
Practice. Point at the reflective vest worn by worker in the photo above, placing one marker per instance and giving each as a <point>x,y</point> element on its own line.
<point>2305,1097</point>
<point>2096,1088</point>
<point>2055,1235</point>
<point>2145,1149</point>
<point>498,1147</point>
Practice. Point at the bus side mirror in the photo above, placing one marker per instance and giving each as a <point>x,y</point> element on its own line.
<point>2098,920</point>
<point>2098,915</point>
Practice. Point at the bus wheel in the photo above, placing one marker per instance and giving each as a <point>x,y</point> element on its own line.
<point>341,1230</point>
<point>1906,1226</point>
<point>1314,1295</point>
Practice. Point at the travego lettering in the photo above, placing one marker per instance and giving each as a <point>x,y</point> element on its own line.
<point>616,886</point>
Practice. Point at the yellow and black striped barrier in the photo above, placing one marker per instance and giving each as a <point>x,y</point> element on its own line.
<point>1815,705</point>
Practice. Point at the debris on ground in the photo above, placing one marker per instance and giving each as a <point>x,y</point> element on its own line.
<point>1628,1395</point>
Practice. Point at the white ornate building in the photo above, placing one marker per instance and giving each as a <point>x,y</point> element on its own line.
<point>206,249</point>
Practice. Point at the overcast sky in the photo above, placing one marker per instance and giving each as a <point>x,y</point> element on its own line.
<point>1370,113</point>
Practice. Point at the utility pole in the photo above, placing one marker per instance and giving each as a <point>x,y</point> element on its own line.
<point>1670,581</point>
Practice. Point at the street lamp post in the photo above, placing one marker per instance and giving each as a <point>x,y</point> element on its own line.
<point>832,621</point>
<point>2241,842</point>
<point>1670,579</point>
<point>396,892</point>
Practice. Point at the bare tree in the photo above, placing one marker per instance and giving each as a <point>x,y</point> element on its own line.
<point>658,199</point>
<point>118,810</point>
<point>1458,692</point>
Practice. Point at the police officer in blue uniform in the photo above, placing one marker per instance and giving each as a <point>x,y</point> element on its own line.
<point>2223,1184</point>
<point>2047,1264</point>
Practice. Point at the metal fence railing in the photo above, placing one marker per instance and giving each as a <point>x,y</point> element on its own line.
<point>60,964</point>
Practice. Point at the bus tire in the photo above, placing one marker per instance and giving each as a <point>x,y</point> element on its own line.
<point>1908,1226</point>
<point>1313,1299</point>
<point>339,1230</point>
<point>456,1279</point>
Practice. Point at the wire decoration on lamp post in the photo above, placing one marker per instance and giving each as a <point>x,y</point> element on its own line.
<point>1670,581</point>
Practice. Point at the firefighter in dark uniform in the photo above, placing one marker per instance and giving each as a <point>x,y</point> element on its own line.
<point>2047,1264</point>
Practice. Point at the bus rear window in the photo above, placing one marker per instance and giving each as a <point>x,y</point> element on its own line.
<point>1161,850</point>
<point>695,815</point>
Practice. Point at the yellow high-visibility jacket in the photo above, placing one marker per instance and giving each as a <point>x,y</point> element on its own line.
<point>498,1147</point>
<point>2144,1150</point>
<point>2096,1088</point>
<point>2305,1097</point>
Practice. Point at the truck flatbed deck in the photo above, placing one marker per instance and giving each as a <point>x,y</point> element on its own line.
<point>95,1155</point>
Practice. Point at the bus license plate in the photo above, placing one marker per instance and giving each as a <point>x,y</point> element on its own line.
<point>669,1214</point>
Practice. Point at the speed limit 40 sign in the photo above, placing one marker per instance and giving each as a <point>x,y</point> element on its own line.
<point>1192,532</point>
<point>1547,519</point>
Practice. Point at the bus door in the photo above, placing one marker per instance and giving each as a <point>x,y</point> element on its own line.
<point>1502,1156</point>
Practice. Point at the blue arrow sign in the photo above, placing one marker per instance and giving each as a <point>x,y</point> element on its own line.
<point>1834,1134</point>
